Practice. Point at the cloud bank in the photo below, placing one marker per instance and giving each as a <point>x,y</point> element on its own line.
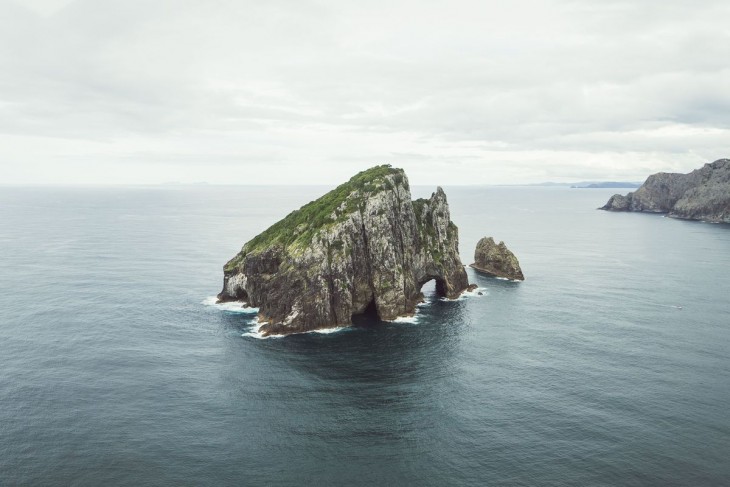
<point>466,92</point>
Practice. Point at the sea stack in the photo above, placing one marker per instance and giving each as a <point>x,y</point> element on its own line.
<point>496,260</point>
<point>364,247</point>
<point>703,194</point>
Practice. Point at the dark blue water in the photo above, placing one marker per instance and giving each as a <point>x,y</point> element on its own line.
<point>112,372</point>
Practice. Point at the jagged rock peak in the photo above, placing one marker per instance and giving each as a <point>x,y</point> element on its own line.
<point>496,260</point>
<point>703,194</point>
<point>364,246</point>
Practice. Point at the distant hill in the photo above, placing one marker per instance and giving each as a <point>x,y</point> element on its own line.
<point>591,184</point>
<point>606,184</point>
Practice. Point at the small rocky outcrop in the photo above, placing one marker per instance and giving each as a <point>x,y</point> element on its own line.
<point>496,260</point>
<point>363,247</point>
<point>703,194</point>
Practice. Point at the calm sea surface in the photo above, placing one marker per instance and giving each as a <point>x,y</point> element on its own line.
<point>113,371</point>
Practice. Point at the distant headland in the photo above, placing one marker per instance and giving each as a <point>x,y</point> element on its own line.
<point>703,194</point>
<point>605,184</point>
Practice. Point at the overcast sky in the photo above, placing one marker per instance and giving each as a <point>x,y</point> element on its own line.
<point>455,92</point>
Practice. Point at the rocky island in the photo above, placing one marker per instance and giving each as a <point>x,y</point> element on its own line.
<point>364,247</point>
<point>703,194</point>
<point>496,260</point>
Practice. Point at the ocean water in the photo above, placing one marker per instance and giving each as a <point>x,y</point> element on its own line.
<point>609,365</point>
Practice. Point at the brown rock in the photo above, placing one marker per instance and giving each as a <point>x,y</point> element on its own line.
<point>496,260</point>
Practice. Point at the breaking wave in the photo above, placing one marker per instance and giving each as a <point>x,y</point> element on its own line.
<point>476,293</point>
<point>255,331</point>
<point>230,306</point>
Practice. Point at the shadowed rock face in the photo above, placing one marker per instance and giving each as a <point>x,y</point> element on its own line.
<point>363,246</point>
<point>496,260</point>
<point>703,194</point>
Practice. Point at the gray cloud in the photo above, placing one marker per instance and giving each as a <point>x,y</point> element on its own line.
<point>310,91</point>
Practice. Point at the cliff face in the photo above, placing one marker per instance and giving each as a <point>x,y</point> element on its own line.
<point>703,194</point>
<point>365,246</point>
<point>496,260</point>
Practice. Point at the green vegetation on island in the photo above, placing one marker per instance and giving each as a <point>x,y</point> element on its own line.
<point>299,227</point>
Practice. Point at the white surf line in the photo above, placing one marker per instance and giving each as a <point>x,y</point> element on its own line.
<point>230,306</point>
<point>406,319</point>
<point>329,331</point>
<point>255,332</point>
<point>476,293</point>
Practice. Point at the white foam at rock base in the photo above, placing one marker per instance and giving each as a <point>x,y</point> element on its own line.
<point>230,306</point>
<point>476,293</point>
<point>327,331</point>
<point>255,331</point>
<point>406,319</point>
